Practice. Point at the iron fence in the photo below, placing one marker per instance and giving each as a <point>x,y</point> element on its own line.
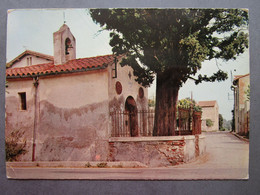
<point>123,122</point>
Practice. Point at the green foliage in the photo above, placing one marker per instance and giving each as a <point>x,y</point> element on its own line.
<point>14,147</point>
<point>151,102</point>
<point>187,103</point>
<point>174,42</point>
<point>247,92</point>
<point>209,123</point>
<point>227,124</point>
<point>220,122</point>
<point>102,165</point>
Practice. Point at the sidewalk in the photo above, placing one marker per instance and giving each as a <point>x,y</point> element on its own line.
<point>78,164</point>
<point>240,137</point>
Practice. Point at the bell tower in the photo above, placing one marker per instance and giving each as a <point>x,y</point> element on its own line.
<point>64,45</point>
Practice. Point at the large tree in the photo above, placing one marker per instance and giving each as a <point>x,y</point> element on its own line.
<point>171,44</point>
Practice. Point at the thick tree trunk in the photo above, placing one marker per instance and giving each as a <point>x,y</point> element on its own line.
<point>165,110</point>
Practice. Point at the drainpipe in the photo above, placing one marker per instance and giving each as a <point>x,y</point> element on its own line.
<point>35,83</point>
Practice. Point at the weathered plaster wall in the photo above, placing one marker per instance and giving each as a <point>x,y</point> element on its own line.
<point>202,144</point>
<point>189,149</point>
<point>73,118</point>
<point>157,151</point>
<point>129,88</point>
<point>242,106</point>
<point>212,114</point>
<point>194,146</point>
<point>17,119</point>
<point>242,86</point>
<point>35,60</point>
<point>59,39</point>
<point>148,150</point>
<point>74,91</point>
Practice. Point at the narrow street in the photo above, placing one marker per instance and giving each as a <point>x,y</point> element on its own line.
<point>226,158</point>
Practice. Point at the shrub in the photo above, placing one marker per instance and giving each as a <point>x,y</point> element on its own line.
<point>188,103</point>
<point>88,165</point>
<point>151,102</point>
<point>102,165</point>
<point>14,147</point>
<point>209,123</point>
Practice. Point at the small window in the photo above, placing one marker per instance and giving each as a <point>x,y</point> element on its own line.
<point>22,100</point>
<point>29,61</point>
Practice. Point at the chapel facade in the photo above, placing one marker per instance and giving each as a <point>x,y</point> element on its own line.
<point>62,105</point>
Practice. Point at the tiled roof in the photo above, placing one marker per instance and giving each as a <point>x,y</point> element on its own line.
<point>207,103</point>
<point>29,52</point>
<point>76,65</point>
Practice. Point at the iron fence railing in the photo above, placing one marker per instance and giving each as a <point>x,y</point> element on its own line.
<point>123,122</point>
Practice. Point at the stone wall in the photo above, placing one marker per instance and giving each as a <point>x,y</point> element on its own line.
<point>157,151</point>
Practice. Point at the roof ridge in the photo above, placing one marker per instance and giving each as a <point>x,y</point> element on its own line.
<point>96,56</point>
<point>207,103</point>
<point>50,63</point>
<point>80,64</point>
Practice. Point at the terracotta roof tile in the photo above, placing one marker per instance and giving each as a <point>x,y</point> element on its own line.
<point>70,66</point>
<point>207,103</point>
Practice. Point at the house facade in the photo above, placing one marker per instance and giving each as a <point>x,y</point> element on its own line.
<point>210,115</point>
<point>62,105</point>
<point>241,88</point>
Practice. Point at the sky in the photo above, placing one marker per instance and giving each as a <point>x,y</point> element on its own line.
<point>33,30</point>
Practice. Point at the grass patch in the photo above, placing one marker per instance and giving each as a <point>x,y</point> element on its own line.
<point>102,165</point>
<point>88,165</point>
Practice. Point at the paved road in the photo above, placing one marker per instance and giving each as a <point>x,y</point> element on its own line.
<point>226,158</point>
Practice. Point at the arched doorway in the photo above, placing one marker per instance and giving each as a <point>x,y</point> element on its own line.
<point>131,109</point>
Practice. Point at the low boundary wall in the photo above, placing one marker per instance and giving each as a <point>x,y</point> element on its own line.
<point>157,151</point>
